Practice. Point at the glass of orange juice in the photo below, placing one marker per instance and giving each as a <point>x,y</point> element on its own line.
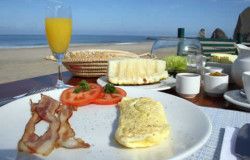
<point>58,25</point>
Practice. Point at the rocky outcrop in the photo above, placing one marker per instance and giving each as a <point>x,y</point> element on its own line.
<point>243,25</point>
<point>219,34</point>
<point>202,33</point>
<point>150,38</point>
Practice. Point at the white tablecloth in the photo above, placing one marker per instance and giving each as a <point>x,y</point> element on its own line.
<point>220,119</point>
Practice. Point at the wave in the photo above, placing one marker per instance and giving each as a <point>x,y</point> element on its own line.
<point>17,47</point>
<point>36,41</point>
<point>77,44</point>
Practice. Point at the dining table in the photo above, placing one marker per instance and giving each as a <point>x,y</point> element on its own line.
<point>221,113</point>
<point>22,86</point>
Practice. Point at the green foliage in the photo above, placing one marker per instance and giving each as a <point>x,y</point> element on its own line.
<point>176,63</point>
<point>83,85</point>
<point>109,88</point>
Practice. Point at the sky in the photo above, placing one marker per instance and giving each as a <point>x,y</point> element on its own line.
<point>125,17</point>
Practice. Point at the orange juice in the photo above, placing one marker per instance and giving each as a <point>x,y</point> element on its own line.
<point>58,31</point>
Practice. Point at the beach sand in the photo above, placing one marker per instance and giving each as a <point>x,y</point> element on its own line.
<point>23,63</point>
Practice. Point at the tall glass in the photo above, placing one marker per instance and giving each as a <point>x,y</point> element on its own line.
<point>58,24</point>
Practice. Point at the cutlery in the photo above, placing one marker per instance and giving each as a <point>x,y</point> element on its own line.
<point>242,144</point>
<point>31,92</point>
<point>243,93</point>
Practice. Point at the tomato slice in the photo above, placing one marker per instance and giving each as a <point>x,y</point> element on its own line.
<point>68,97</point>
<point>106,98</point>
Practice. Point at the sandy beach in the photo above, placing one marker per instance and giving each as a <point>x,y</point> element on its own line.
<point>22,63</point>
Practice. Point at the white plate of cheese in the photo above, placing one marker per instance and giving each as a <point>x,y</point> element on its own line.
<point>190,128</point>
<point>162,85</point>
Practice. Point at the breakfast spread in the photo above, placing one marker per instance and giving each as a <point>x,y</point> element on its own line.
<point>136,71</point>
<point>142,123</point>
<point>59,133</point>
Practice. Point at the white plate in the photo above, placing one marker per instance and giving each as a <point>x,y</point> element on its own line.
<point>96,125</point>
<point>237,99</point>
<point>162,85</point>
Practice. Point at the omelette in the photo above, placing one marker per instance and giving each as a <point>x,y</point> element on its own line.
<point>142,123</point>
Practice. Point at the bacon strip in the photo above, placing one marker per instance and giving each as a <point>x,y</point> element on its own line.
<point>66,133</point>
<point>29,135</point>
<point>32,143</point>
<point>59,134</point>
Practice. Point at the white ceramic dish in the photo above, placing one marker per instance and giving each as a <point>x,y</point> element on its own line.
<point>210,69</point>
<point>96,125</point>
<point>226,68</point>
<point>237,99</point>
<point>216,85</point>
<point>162,85</point>
<point>188,84</point>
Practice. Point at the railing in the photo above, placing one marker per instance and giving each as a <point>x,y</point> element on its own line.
<point>210,46</point>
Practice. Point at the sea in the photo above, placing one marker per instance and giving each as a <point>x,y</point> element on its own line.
<point>32,41</point>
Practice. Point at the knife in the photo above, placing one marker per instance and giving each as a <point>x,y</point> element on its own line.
<point>242,144</point>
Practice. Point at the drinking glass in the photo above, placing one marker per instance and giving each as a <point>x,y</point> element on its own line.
<point>58,25</point>
<point>186,47</point>
<point>163,47</point>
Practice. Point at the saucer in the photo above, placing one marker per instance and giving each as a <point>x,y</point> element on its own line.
<point>235,98</point>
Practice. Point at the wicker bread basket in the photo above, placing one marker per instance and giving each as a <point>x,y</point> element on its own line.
<point>92,63</point>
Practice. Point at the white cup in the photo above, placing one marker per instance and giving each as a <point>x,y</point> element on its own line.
<point>246,83</point>
<point>215,86</point>
<point>188,84</point>
<point>211,69</point>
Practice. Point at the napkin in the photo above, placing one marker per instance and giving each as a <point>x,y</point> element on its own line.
<point>228,145</point>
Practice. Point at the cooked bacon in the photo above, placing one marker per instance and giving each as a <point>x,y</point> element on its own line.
<point>46,143</point>
<point>66,133</point>
<point>29,135</point>
<point>44,110</point>
<point>59,133</point>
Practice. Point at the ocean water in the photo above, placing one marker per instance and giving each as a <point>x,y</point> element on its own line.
<point>26,41</point>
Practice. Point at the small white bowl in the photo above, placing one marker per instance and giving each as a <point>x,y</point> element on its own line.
<point>215,86</point>
<point>188,84</point>
<point>211,69</point>
<point>226,68</point>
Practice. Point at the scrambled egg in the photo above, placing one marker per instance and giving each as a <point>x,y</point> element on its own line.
<point>142,122</point>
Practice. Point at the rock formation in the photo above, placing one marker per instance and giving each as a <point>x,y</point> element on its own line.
<point>202,33</point>
<point>243,25</point>
<point>219,34</point>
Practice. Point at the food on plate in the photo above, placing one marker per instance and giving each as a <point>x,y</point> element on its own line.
<point>215,74</point>
<point>142,122</point>
<point>81,95</point>
<point>136,71</point>
<point>86,93</point>
<point>59,133</point>
<point>31,142</point>
<point>176,63</point>
<point>110,95</point>
<point>223,58</point>
<point>93,62</point>
<point>66,133</point>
